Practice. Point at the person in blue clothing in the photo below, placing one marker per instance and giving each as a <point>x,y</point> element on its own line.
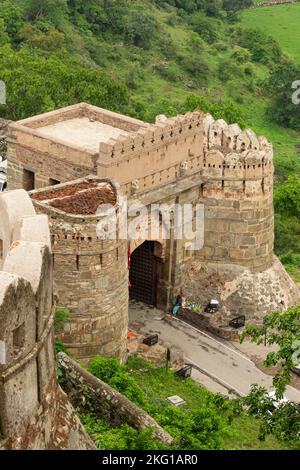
<point>177,304</point>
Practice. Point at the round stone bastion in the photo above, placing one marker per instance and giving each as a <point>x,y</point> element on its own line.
<point>90,273</point>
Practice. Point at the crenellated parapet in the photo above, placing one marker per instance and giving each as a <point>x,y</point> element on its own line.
<point>154,155</point>
<point>151,138</point>
<point>236,162</point>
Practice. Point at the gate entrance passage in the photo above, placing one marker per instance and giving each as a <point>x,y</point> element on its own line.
<point>143,274</point>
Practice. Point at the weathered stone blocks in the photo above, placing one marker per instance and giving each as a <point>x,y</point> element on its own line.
<point>33,409</point>
<point>90,279</point>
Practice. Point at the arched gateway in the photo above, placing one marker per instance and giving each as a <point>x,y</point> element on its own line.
<point>144,273</point>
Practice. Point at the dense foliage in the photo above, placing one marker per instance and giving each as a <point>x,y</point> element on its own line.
<point>194,430</point>
<point>279,87</point>
<point>282,330</point>
<point>287,228</point>
<point>278,417</point>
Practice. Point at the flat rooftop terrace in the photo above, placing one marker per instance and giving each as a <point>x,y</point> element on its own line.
<point>80,127</point>
<point>82,132</point>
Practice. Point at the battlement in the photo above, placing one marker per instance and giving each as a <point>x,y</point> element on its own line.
<point>219,134</point>
<point>26,311</point>
<point>184,145</point>
<point>86,140</point>
<point>151,138</point>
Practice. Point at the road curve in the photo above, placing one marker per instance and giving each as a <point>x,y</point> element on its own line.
<point>224,367</point>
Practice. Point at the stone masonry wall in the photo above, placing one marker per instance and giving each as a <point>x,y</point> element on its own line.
<point>55,159</point>
<point>91,280</point>
<point>44,165</point>
<point>34,412</point>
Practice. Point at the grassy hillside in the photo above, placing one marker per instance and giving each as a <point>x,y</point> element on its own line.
<point>280,21</point>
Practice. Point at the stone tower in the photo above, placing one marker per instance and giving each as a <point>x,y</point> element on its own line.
<point>90,275</point>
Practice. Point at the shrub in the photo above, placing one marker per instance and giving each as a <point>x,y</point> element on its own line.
<point>104,368</point>
<point>241,55</point>
<point>60,347</point>
<point>207,28</point>
<point>128,387</point>
<point>51,40</point>
<point>226,109</point>
<point>287,234</point>
<point>61,317</point>
<point>249,69</point>
<point>123,437</point>
<point>227,69</point>
<point>263,48</point>
<point>197,66</point>
<point>287,197</point>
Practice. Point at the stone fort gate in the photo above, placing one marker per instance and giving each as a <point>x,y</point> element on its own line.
<point>187,159</point>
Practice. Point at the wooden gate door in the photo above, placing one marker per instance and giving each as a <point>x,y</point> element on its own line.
<point>143,274</point>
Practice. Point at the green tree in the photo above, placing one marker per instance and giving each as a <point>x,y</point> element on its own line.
<point>37,83</point>
<point>280,419</point>
<point>279,87</point>
<point>140,27</point>
<point>4,38</point>
<point>281,329</point>
<point>207,28</point>
<point>225,109</point>
<point>264,49</point>
<point>277,417</point>
<point>56,11</point>
<point>11,15</point>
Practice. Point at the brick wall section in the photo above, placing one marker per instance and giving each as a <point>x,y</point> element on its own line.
<point>109,404</point>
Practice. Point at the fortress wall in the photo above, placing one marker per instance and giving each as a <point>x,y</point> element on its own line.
<point>32,407</point>
<point>236,162</point>
<point>237,192</point>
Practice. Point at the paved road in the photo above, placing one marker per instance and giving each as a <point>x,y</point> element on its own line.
<point>217,366</point>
